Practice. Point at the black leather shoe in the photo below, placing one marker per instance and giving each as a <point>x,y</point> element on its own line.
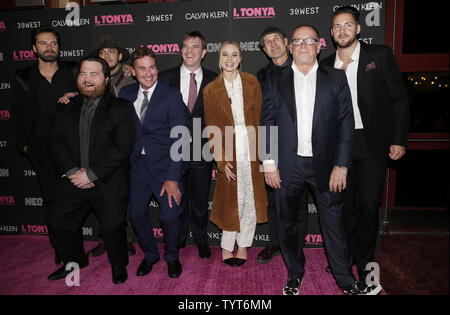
<point>131,249</point>
<point>119,275</point>
<point>97,250</point>
<point>145,267</point>
<point>62,272</point>
<point>204,251</point>
<point>58,259</point>
<point>174,269</point>
<point>239,261</point>
<point>230,261</point>
<point>267,254</point>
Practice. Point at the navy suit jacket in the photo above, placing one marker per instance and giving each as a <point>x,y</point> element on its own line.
<point>382,99</point>
<point>172,78</point>
<point>333,122</point>
<point>165,111</point>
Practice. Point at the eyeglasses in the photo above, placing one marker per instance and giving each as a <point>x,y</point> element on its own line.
<point>307,41</point>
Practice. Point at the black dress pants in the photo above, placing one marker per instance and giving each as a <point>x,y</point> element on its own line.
<point>302,223</point>
<point>362,202</point>
<point>69,214</point>
<point>194,205</point>
<point>330,211</point>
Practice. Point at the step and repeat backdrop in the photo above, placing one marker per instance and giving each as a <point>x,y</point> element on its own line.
<point>159,26</point>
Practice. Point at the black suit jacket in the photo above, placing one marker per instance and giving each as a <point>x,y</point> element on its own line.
<point>333,122</point>
<point>172,78</point>
<point>382,99</point>
<point>31,126</point>
<point>111,142</point>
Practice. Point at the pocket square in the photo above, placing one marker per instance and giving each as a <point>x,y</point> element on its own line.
<point>371,66</point>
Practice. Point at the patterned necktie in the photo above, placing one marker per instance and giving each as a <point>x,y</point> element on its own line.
<point>192,92</point>
<point>144,106</point>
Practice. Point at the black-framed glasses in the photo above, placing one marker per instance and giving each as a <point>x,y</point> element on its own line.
<point>307,41</point>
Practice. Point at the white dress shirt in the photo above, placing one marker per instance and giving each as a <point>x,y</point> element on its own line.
<point>305,98</point>
<point>185,79</point>
<point>352,78</point>
<point>140,98</point>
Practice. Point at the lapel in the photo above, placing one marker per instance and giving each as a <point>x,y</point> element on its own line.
<point>364,59</point>
<point>319,98</point>
<point>223,102</point>
<point>287,90</point>
<point>247,96</point>
<point>74,122</point>
<point>154,101</point>
<point>100,116</point>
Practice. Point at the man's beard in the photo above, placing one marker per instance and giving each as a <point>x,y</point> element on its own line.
<point>92,94</point>
<point>347,44</point>
<point>48,58</point>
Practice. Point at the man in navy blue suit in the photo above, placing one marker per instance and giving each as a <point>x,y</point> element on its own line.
<point>159,108</point>
<point>311,107</point>
<point>190,78</point>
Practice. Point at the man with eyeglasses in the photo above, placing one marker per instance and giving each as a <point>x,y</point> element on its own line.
<point>381,110</point>
<point>274,43</point>
<point>311,107</point>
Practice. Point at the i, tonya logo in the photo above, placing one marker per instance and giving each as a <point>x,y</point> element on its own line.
<point>253,13</point>
<point>164,49</point>
<point>114,19</point>
<point>19,55</point>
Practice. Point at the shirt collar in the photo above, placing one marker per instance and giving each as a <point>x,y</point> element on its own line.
<point>186,71</point>
<point>310,73</point>
<point>355,55</point>
<point>150,90</point>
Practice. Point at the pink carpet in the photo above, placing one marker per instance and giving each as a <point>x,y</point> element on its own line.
<point>26,262</point>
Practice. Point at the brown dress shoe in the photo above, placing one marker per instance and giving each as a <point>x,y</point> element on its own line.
<point>267,254</point>
<point>97,250</point>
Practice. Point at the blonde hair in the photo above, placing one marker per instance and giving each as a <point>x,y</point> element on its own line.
<point>233,43</point>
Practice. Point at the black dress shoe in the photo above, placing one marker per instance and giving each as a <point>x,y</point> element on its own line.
<point>230,261</point>
<point>267,254</point>
<point>239,261</point>
<point>97,250</point>
<point>58,259</point>
<point>145,267</point>
<point>204,251</point>
<point>131,249</point>
<point>119,275</point>
<point>174,269</point>
<point>62,272</point>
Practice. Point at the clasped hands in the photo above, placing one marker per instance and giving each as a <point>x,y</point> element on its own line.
<point>81,180</point>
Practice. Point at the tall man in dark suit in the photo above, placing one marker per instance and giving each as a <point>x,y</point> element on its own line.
<point>159,109</point>
<point>35,102</point>
<point>380,104</point>
<point>274,43</point>
<point>190,78</point>
<point>311,107</point>
<point>92,140</point>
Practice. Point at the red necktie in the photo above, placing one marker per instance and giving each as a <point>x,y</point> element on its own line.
<point>192,92</point>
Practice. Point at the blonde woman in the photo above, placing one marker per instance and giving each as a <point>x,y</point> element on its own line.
<point>233,102</point>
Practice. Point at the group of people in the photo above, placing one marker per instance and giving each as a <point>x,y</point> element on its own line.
<point>101,141</point>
